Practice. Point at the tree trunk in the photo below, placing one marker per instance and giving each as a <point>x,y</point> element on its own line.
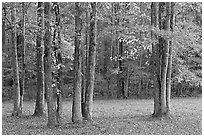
<point>160,107</point>
<point>58,58</point>
<point>52,121</point>
<point>154,62</point>
<point>76,108</point>
<point>85,64</point>
<point>17,111</point>
<point>168,92</point>
<point>39,106</point>
<point>3,33</point>
<point>22,89</point>
<point>126,83</point>
<point>91,64</point>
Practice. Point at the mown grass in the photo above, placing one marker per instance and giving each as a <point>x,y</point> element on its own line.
<point>130,116</point>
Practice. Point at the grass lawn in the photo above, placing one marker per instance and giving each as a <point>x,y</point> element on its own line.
<point>132,116</point>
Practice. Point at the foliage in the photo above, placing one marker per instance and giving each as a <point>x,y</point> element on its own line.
<point>134,19</point>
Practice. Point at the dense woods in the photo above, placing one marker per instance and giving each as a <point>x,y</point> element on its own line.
<point>52,51</point>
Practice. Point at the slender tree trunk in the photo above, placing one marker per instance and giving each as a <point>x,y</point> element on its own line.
<point>116,23</point>
<point>17,111</point>
<point>91,64</point>
<point>3,33</point>
<point>140,65</point>
<point>39,106</point>
<point>126,83</point>
<point>85,64</point>
<point>52,121</point>
<point>154,62</point>
<point>22,90</point>
<point>168,92</point>
<point>76,108</point>
<point>58,57</point>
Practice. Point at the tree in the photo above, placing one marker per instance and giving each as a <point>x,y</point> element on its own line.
<point>76,107</point>
<point>91,64</point>
<point>85,63</point>
<point>169,69</point>
<point>161,58</point>
<point>17,110</point>
<point>39,106</point>
<point>52,120</point>
<point>22,88</point>
<point>58,61</point>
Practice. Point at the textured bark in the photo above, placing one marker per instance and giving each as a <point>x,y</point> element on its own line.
<point>85,64</point>
<point>116,49</point>
<point>154,63</point>
<point>3,33</point>
<point>162,51</point>
<point>76,108</point>
<point>126,85</point>
<point>58,57</point>
<point>91,64</point>
<point>17,111</point>
<point>164,63</point>
<point>52,121</point>
<point>39,106</point>
<point>168,89</point>
<point>22,89</point>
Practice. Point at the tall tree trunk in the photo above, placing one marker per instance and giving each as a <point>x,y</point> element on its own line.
<point>76,108</point>
<point>22,90</point>
<point>168,89</point>
<point>85,64</point>
<point>17,111</point>
<point>154,62</point>
<point>39,106</point>
<point>121,69</point>
<point>162,57</point>
<point>91,64</point>
<point>58,57</point>
<point>116,23</point>
<point>52,121</point>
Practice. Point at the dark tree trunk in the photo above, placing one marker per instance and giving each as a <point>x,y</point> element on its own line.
<point>76,108</point>
<point>17,111</point>
<point>91,64</point>
<point>162,57</point>
<point>126,85</point>
<point>39,106</point>
<point>22,89</point>
<point>58,57</point>
<point>52,120</point>
<point>154,62</point>
<point>168,92</point>
<point>3,33</point>
<point>85,64</point>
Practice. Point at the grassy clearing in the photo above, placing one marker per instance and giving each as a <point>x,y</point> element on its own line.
<point>112,117</point>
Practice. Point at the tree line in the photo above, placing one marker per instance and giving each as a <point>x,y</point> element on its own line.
<point>119,46</point>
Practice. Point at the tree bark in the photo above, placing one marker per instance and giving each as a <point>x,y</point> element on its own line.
<point>76,108</point>
<point>91,64</point>
<point>3,33</point>
<point>17,111</point>
<point>39,106</point>
<point>160,107</point>
<point>154,63</point>
<point>58,57</point>
<point>22,89</point>
<point>85,64</point>
<point>168,92</point>
<point>52,121</point>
